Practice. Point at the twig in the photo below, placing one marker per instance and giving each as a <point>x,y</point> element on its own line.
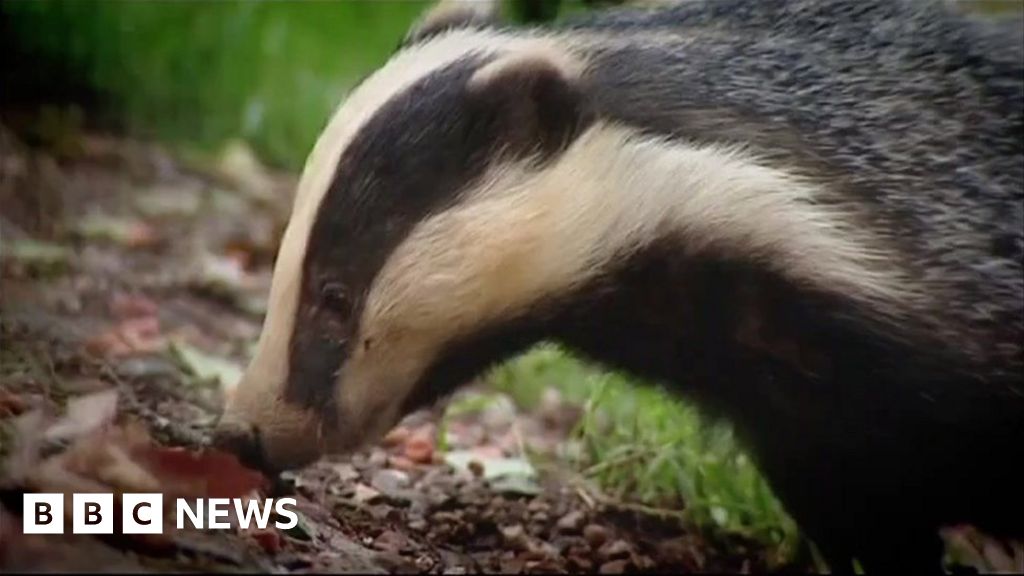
<point>591,495</point>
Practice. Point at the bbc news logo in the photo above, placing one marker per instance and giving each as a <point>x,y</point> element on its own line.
<point>143,513</point>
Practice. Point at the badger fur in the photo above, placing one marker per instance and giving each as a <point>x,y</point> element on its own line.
<point>804,215</point>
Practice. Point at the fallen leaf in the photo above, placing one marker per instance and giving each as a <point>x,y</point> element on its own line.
<point>419,449</point>
<point>268,538</point>
<point>37,253</point>
<point>239,166</point>
<point>109,344</point>
<point>84,415</point>
<point>364,494</point>
<point>206,366</point>
<point>212,473</point>
<point>509,475</point>
<point>397,436</point>
<point>131,336</point>
<point>168,200</point>
<point>124,231</point>
<point>27,438</point>
<point>125,305</point>
<point>223,274</point>
<point>107,459</point>
<point>11,405</point>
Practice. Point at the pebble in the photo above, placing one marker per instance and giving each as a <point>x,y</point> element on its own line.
<point>613,567</point>
<point>515,536</point>
<point>538,505</point>
<point>346,472</point>
<point>401,463</point>
<point>615,549</point>
<point>595,535</point>
<point>396,437</point>
<point>378,458</point>
<point>571,522</point>
<point>390,540</point>
<point>419,449</point>
<point>391,483</point>
<point>364,494</point>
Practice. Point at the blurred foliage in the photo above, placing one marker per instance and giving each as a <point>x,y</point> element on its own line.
<point>200,73</point>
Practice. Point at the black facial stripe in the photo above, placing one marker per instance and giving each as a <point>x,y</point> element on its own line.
<point>410,160</point>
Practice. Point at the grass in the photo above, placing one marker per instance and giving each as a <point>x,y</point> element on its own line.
<point>199,73</point>
<point>644,446</point>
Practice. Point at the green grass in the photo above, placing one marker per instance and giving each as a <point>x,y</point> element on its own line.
<point>642,445</point>
<point>199,73</point>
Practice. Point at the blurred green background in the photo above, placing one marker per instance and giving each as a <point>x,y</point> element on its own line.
<point>199,73</point>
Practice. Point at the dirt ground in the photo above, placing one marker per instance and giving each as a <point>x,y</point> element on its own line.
<point>133,284</point>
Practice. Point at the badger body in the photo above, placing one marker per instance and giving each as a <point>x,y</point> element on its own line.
<point>805,216</point>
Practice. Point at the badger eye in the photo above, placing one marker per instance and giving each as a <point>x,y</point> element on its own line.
<point>335,298</point>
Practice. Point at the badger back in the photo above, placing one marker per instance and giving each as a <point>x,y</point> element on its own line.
<point>909,115</point>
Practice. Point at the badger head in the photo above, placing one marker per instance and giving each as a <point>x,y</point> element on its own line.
<point>455,208</point>
<point>408,241</point>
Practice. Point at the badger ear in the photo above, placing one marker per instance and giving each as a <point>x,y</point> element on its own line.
<point>535,99</point>
<point>449,14</point>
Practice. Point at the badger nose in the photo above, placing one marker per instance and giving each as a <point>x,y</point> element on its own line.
<point>242,440</point>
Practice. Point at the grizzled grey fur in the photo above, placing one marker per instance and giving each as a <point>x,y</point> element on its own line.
<point>907,106</point>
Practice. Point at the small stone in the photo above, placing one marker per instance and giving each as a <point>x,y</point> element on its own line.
<point>581,563</point>
<point>515,536</point>
<point>540,551</point>
<point>378,458</point>
<point>476,468</point>
<point>647,563</point>
<point>364,494</point>
<point>346,472</point>
<point>571,522</point>
<point>390,541</point>
<point>396,437</point>
<point>401,463</point>
<point>389,480</point>
<point>419,449</point>
<point>538,505</point>
<point>595,535</point>
<point>613,567</point>
<point>615,549</point>
<point>512,565</point>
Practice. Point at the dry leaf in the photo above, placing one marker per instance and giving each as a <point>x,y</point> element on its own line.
<point>85,414</point>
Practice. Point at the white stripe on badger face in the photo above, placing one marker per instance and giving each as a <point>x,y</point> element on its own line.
<point>526,235</point>
<point>257,399</point>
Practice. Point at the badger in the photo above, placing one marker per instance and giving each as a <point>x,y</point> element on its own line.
<point>803,215</point>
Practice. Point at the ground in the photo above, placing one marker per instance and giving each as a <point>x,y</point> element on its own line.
<point>133,286</point>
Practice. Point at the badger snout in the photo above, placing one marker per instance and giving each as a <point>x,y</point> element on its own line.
<point>242,440</point>
<point>263,429</point>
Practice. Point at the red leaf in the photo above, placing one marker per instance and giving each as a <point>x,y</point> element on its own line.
<point>212,474</point>
<point>268,538</point>
<point>125,305</point>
